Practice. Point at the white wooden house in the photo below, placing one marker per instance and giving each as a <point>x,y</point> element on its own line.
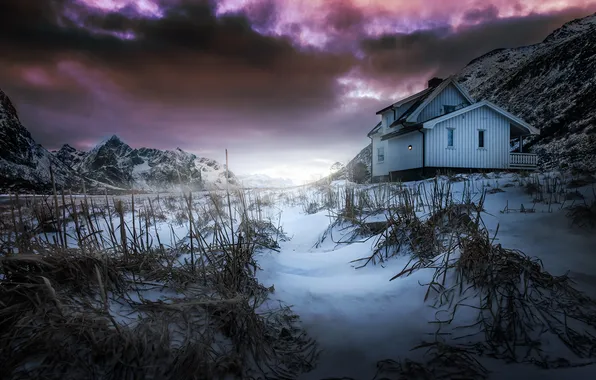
<point>443,128</point>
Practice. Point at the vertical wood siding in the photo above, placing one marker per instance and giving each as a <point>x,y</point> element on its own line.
<point>398,155</point>
<point>379,168</point>
<point>465,152</point>
<point>449,96</point>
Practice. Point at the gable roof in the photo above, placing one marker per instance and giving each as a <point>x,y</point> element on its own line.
<point>424,97</point>
<point>413,107</point>
<point>406,100</point>
<point>375,129</point>
<point>411,118</point>
<point>429,124</point>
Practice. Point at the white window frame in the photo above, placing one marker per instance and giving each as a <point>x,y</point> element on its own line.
<point>452,131</point>
<point>381,154</point>
<point>483,132</point>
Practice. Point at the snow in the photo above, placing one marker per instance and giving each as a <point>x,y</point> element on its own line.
<point>359,317</point>
<point>262,181</point>
<point>141,168</point>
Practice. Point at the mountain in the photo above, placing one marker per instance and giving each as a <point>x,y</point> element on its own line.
<point>345,172</point>
<point>551,85</point>
<point>115,163</point>
<point>264,181</point>
<point>24,164</point>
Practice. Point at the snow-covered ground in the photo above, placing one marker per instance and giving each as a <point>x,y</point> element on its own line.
<point>359,317</point>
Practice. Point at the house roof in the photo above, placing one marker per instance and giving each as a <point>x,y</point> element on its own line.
<point>401,131</point>
<point>375,129</point>
<point>423,98</point>
<point>413,107</point>
<point>406,100</point>
<point>429,124</point>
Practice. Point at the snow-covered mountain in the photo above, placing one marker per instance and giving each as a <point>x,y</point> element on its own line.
<point>115,163</point>
<point>264,181</point>
<point>24,164</point>
<point>551,85</point>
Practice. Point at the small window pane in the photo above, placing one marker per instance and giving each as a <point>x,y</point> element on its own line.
<point>449,109</point>
<point>481,139</point>
<point>380,154</point>
<point>450,137</point>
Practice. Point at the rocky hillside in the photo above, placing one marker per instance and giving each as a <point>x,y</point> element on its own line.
<point>115,163</point>
<point>364,156</point>
<point>24,164</point>
<point>551,85</point>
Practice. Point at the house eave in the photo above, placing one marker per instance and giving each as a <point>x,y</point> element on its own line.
<point>402,132</point>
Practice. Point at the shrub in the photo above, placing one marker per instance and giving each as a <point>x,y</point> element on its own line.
<point>360,173</point>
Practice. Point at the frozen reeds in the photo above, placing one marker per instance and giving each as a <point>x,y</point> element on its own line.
<point>114,289</point>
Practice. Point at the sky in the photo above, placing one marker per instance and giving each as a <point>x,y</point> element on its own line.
<point>287,86</point>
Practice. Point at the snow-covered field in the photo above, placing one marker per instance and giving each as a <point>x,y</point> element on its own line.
<point>359,317</point>
<point>353,311</point>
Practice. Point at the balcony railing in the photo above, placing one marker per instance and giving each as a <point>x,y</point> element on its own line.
<point>523,160</point>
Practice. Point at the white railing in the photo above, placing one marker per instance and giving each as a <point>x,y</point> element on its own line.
<point>523,160</point>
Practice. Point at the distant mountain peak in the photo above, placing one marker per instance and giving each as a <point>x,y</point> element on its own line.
<point>114,140</point>
<point>7,106</point>
<point>67,148</point>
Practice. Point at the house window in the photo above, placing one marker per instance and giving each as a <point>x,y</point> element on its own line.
<point>380,154</point>
<point>449,109</point>
<point>480,139</point>
<point>450,137</point>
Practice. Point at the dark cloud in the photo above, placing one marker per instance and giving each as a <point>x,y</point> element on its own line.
<point>262,14</point>
<point>344,17</point>
<point>444,51</point>
<point>188,56</point>
<point>488,13</point>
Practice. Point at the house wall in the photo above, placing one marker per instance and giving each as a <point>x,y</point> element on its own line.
<point>398,155</point>
<point>379,168</point>
<point>465,152</point>
<point>449,96</point>
<point>386,119</point>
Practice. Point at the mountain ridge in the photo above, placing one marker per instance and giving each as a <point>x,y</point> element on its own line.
<point>111,164</point>
<point>551,85</point>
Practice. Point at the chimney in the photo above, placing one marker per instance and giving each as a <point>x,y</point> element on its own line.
<point>434,82</point>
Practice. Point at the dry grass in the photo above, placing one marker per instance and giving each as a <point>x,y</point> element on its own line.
<point>490,300</point>
<point>515,301</point>
<point>80,302</point>
<point>583,215</point>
